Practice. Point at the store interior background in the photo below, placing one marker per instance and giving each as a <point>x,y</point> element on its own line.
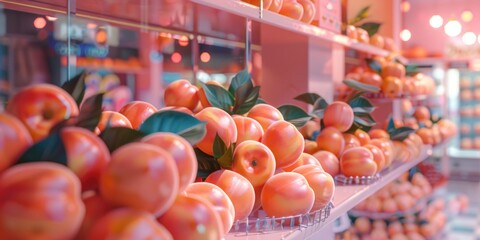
<point>133,49</point>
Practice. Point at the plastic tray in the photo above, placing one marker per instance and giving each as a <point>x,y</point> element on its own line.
<point>357,180</point>
<point>259,222</point>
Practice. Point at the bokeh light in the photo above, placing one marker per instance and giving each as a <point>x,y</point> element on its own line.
<point>436,21</point>
<point>467,16</point>
<point>469,38</point>
<point>176,57</point>
<point>39,22</point>
<point>453,28</point>
<point>405,35</point>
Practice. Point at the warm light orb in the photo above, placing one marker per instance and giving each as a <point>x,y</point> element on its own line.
<point>51,19</point>
<point>436,21</point>
<point>405,35</point>
<point>453,28</point>
<point>469,38</point>
<point>205,57</point>
<point>91,25</point>
<point>183,41</point>
<point>39,22</point>
<point>176,57</point>
<point>405,6</point>
<point>467,16</point>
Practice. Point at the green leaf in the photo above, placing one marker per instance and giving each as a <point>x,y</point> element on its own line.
<point>240,79</point>
<point>320,104</point>
<point>90,112</point>
<point>401,133</point>
<point>364,119</point>
<point>226,160</point>
<point>183,124</point>
<point>219,97</point>
<point>49,149</point>
<point>206,164</point>
<point>435,118</point>
<point>361,104</point>
<point>362,110</point>
<point>115,137</point>
<point>362,14</point>
<point>371,27</point>
<point>245,98</point>
<point>361,86</point>
<point>319,113</point>
<point>76,87</point>
<point>259,101</point>
<point>374,65</point>
<point>309,98</point>
<point>219,147</point>
<point>411,70</point>
<point>354,95</point>
<point>356,126</point>
<point>294,115</point>
<point>391,124</point>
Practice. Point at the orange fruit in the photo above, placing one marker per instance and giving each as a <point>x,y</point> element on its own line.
<point>332,140</point>
<point>247,129</point>
<point>191,217</point>
<point>113,119</point>
<point>181,93</point>
<point>287,194</point>
<point>339,115</point>
<point>265,114</point>
<point>218,198</point>
<point>40,107</point>
<point>357,161</point>
<point>255,161</point>
<point>285,141</point>
<point>219,123</point>
<point>126,223</point>
<point>140,176</point>
<point>40,200</point>
<point>14,140</point>
<point>304,159</point>
<point>321,182</point>
<point>238,188</point>
<point>137,112</point>
<point>182,153</point>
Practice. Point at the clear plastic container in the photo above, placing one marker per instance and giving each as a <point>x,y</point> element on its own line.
<point>259,222</point>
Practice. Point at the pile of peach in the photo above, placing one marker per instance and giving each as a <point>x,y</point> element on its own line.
<point>430,132</point>
<point>358,153</point>
<point>426,223</point>
<point>361,35</point>
<point>391,79</point>
<point>399,196</point>
<point>148,188</point>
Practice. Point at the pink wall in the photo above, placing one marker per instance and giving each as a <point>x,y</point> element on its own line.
<point>435,40</point>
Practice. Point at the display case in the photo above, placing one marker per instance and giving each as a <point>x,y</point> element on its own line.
<point>141,46</point>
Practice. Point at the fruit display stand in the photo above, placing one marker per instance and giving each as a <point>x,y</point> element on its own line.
<point>315,47</point>
<point>346,197</point>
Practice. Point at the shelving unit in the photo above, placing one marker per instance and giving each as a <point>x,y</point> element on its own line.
<point>345,198</point>
<point>274,19</point>
<point>316,46</point>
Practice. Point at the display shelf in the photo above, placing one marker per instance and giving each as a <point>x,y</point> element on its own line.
<point>345,198</point>
<point>274,19</point>
<point>421,204</point>
<point>126,70</point>
<point>463,153</point>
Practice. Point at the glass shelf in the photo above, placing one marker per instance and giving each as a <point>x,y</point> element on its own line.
<point>274,19</point>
